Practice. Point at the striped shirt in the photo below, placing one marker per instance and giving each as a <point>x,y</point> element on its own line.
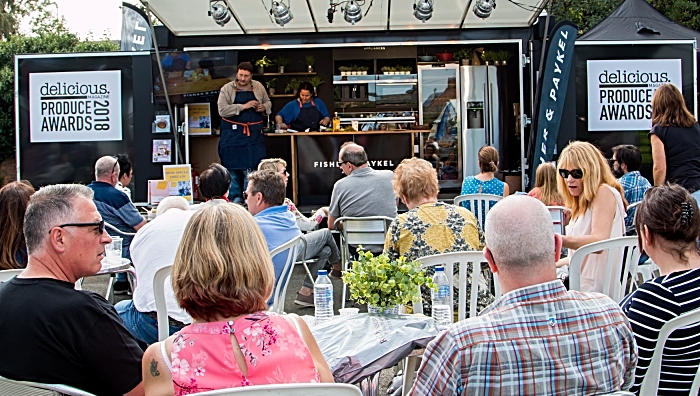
<point>650,307</point>
<point>538,340</point>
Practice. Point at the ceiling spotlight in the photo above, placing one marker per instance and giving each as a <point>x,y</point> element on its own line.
<point>423,10</point>
<point>331,12</point>
<point>281,13</point>
<point>353,12</point>
<point>483,8</point>
<point>219,12</point>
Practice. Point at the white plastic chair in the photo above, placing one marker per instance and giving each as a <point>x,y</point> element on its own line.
<point>118,231</point>
<point>365,231</point>
<point>280,292</point>
<point>161,306</point>
<point>621,265</point>
<point>650,383</point>
<point>479,204</point>
<point>6,275</point>
<point>558,214</point>
<point>27,388</point>
<point>632,211</point>
<point>289,390</point>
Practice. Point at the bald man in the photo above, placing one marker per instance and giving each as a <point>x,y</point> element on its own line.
<point>538,338</point>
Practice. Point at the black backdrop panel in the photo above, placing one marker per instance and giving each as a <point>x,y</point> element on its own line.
<point>73,162</point>
<point>317,158</point>
<point>606,140</point>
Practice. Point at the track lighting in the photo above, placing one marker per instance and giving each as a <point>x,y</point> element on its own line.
<point>352,12</point>
<point>218,10</point>
<point>423,10</point>
<point>281,13</point>
<point>483,8</point>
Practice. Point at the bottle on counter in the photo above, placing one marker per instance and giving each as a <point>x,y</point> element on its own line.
<point>442,303</point>
<point>336,122</point>
<point>323,297</point>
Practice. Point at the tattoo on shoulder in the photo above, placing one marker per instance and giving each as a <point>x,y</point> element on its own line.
<point>154,368</point>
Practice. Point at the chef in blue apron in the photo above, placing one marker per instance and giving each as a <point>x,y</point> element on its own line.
<point>304,112</point>
<point>242,105</point>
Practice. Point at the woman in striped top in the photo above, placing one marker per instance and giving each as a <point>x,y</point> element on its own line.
<point>668,224</point>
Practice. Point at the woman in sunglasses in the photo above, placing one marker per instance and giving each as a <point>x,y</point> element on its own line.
<point>597,207</point>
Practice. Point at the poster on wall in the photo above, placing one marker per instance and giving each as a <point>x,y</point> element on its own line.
<point>161,150</point>
<point>179,179</point>
<point>620,91</point>
<point>198,118</point>
<point>75,106</point>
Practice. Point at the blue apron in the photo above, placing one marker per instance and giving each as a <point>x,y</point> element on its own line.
<point>242,148</point>
<point>309,117</point>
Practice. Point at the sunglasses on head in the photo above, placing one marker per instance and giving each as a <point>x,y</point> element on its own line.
<point>575,173</point>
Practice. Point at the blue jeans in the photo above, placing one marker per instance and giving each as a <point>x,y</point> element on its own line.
<point>141,326</point>
<point>239,182</point>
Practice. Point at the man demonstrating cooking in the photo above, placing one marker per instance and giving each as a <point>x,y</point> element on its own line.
<point>304,112</point>
<point>242,105</point>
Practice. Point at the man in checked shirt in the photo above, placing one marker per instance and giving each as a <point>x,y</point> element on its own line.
<point>538,338</point>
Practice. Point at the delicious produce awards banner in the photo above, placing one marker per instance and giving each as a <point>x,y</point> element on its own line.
<point>620,91</point>
<point>75,106</point>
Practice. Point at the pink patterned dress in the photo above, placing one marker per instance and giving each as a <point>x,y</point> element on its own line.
<point>275,353</point>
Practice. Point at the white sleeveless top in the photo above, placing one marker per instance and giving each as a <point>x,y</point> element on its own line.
<point>593,266</point>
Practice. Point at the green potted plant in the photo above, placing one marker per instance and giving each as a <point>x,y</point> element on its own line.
<point>344,70</point>
<point>292,86</point>
<point>384,284</point>
<point>464,55</point>
<point>388,70</point>
<point>503,56</point>
<point>362,70</point>
<point>488,57</point>
<point>270,84</point>
<point>315,82</point>
<point>281,62</point>
<point>310,61</point>
<point>354,70</point>
<point>262,63</point>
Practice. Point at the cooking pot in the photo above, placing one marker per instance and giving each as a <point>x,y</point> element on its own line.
<point>426,58</point>
<point>444,56</point>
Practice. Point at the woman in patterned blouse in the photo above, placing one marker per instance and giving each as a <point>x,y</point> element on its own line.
<point>430,227</point>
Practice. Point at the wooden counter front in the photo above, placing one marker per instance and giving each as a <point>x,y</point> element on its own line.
<point>312,157</point>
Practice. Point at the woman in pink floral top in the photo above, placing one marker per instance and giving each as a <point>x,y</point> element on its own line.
<point>222,276</point>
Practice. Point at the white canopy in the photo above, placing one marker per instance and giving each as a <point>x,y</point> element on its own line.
<point>190,17</point>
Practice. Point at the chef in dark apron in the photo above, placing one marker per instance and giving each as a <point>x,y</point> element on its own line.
<point>242,105</point>
<point>305,112</point>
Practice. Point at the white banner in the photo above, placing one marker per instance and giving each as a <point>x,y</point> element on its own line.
<point>620,91</point>
<point>75,106</point>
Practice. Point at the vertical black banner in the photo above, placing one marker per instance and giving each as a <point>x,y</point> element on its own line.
<point>552,93</point>
<point>136,34</point>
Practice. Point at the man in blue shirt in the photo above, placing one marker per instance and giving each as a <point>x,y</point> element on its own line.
<point>265,199</point>
<point>626,161</point>
<point>115,208</point>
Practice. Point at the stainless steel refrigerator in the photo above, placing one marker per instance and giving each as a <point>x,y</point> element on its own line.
<point>480,113</point>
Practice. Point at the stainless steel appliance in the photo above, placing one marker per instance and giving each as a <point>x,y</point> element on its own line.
<point>479,102</point>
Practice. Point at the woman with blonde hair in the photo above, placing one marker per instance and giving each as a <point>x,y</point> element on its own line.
<point>429,227</point>
<point>546,185</point>
<point>597,207</point>
<point>319,243</point>
<point>222,277</point>
<point>675,140</point>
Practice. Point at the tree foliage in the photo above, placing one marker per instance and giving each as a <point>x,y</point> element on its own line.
<point>588,13</point>
<point>49,35</point>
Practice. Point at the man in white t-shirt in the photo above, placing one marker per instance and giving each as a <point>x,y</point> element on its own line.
<point>153,248</point>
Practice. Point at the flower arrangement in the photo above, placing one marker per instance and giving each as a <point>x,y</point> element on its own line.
<point>384,283</point>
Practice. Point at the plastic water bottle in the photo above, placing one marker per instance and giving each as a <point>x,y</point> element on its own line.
<point>323,297</point>
<point>442,303</point>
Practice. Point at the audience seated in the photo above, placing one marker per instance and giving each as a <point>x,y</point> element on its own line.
<point>126,172</point>
<point>54,333</point>
<point>364,192</point>
<point>264,196</point>
<point>214,183</point>
<point>14,198</point>
<point>116,209</point>
<point>538,338</point>
<point>430,227</point>
<point>152,249</point>
<point>222,276</point>
<point>319,243</point>
<point>668,224</point>
<point>597,208</point>
<point>546,185</point>
<point>485,182</point>
<point>626,161</point>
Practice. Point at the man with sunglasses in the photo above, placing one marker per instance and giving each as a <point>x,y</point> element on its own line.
<point>116,209</point>
<point>56,334</point>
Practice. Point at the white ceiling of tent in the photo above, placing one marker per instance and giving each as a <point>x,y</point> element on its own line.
<point>190,18</point>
